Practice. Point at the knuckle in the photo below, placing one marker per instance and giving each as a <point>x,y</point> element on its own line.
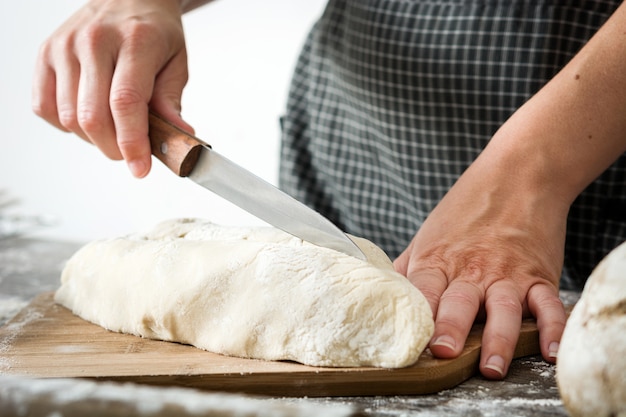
<point>44,51</point>
<point>90,121</point>
<point>62,45</point>
<point>461,298</point>
<point>432,298</point>
<point>134,32</point>
<point>138,26</point>
<point>67,118</point>
<point>504,339</point>
<point>550,310</point>
<point>139,32</point>
<point>505,303</point>
<point>430,282</point>
<point>550,302</point>
<point>93,36</point>
<point>124,99</point>
<point>448,324</point>
<point>429,293</point>
<point>545,294</point>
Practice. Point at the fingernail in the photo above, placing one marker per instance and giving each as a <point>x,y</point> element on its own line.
<point>137,168</point>
<point>553,350</point>
<point>495,363</point>
<point>445,341</point>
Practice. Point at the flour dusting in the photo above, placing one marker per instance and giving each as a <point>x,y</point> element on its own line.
<point>9,307</point>
<point>65,396</point>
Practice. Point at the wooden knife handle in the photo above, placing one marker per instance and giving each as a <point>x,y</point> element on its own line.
<point>178,150</point>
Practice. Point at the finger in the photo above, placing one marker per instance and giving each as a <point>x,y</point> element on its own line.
<point>545,305</point>
<point>67,79</point>
<point>93,112</point>
<point>43,98</point>
<point>457,311</point>
<point>504,320</point>
<point>168,89</point>
<point>431,283</point>
<point>131,90</point>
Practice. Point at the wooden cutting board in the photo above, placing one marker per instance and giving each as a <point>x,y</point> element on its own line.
<point>46,340</point>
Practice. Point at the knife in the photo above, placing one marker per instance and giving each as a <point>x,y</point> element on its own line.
<point>188,156</point>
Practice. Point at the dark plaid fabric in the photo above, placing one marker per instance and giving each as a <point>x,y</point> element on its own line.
<point>392,100</point>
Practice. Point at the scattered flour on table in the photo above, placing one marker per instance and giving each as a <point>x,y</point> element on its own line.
<point>542,369</point>
<point>514,397</point>
<point>9,307</point>
<point>66,396</point>
<point>13,330</point>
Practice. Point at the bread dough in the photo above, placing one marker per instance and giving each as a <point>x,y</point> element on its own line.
<point>591,363</point>
<point>250,292</point>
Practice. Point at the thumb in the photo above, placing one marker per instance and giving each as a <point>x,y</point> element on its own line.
<point>168,90</point>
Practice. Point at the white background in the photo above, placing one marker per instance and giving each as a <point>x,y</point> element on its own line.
<point>241,56</point>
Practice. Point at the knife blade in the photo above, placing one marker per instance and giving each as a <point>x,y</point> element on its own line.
<point>188,156</point>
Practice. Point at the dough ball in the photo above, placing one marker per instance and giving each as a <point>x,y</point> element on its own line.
<point>250,292</point>
<point>591,365</point>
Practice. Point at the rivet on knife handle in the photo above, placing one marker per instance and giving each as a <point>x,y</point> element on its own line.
<point>178,150</point>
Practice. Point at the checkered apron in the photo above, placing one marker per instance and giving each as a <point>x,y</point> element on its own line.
<point>391,100</point>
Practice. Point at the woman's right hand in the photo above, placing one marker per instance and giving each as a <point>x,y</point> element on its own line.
<point>98,74</point>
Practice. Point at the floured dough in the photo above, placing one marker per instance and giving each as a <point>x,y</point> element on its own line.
<point>250,292</point>
<point>591,364</point>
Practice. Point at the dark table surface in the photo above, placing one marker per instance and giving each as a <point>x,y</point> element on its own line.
<point>31,266</point>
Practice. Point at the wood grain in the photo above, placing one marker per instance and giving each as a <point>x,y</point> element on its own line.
<point>46,340</point>
<point>178,150</point>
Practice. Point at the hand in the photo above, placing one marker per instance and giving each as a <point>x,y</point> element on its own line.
<point>490,248</point>
<point>99,72</point>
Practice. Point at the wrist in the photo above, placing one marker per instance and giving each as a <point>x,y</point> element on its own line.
<point>518,189</point>
<point>535,165</point>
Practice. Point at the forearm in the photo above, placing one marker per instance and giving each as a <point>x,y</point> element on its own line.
<point>188,5</point>
<point>575,127</point>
